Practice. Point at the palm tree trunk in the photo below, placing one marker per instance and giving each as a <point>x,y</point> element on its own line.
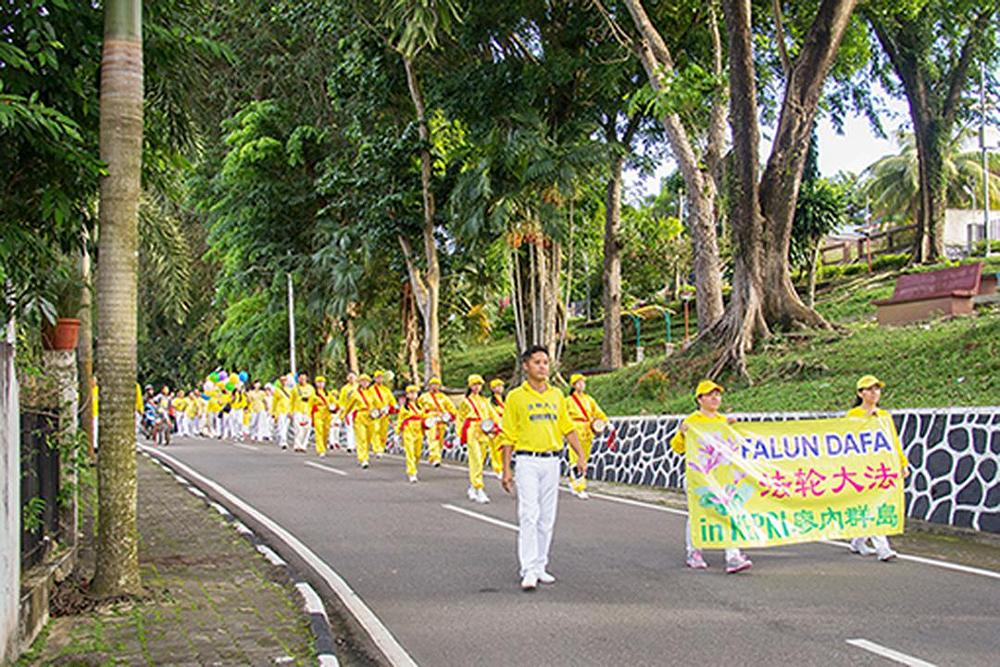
<point>611,278</point>
<point>117,567</point>
<point>85,351</point>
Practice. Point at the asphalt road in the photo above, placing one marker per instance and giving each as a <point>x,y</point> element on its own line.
<point>445,582</point>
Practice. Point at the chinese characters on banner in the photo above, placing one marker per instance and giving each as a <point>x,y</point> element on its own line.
<point>769,483</point>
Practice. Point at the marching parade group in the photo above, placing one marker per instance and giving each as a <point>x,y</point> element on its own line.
<point>530,425</point>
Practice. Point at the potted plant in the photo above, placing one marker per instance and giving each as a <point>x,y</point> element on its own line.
<point>61,328</point>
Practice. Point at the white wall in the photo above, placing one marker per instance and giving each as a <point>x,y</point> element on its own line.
<point>957,220</point>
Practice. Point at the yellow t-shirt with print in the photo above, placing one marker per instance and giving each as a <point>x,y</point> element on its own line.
<point>535,421</point>
<point>677,442</point>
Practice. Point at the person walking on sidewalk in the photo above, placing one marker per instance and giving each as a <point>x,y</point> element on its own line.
<point>536,421</point>
<point>868,392</point>
<point>497,403</point>
<point>708,397</point>
<point>442,412</point>
<point>476,423</point>
<point>410,426</point>
<point>588,420</point>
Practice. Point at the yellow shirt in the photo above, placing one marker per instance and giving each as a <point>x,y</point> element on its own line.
<point>535,422</point>
<point>591,410</point>
<point>239,402</point>
<point>345,393</point>
<point>192,407</point>
<point>281,401</point>
<point>860,413</point>
<point>302,397</point>
<point>215,403</point>
<point>322,403</point>
<point>362,400</point>
<point>411,419</point>
<point>677,442</point>
<point>257,399</point>
<point>436,403</point>
<point>180,404</point>
<point>382,396</point>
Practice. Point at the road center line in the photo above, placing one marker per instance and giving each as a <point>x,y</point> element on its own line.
<point>380,634</point>
<point>481,517</point>
<point>320,466</point>
<point>889,653</point>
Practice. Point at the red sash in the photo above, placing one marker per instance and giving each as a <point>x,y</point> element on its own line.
<point>464,437</point>
<point>322,398</point>
<point>586,417</point>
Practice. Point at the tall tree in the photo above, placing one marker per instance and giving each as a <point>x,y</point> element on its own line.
<point>932,46</point>
<point>121,132</point>
<point>701,167</point>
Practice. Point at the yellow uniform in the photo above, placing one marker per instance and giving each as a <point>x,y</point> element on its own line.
<point>348,417</point>
<point>257,400</point>
<point>472,412</point>
<point>496,460</point>
<point>385,401</point>
<point>361,401</point>
<point>677,442</point>
<point>436,404</point>
<point>321,418</point>
<point>583,410</point>
<point>281,401</point>
<point>302,396</point>
<point>191,410</point>
<point>410,426</point>
<point>179,404</point>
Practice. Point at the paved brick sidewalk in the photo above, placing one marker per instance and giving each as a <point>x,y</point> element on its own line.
<point>211,598</point>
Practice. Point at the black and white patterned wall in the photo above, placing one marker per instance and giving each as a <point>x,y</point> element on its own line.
<point>954,456</point>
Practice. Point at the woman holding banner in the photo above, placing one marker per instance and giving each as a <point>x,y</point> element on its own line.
<point>868,391</point>
<point>708,396</point>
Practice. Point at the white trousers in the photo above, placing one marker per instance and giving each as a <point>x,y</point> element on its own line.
<point>349,430</point>
<point>880,542</point>
<point>218,422</point>
<point>537,482</point>
<point>281,430</point>
<point>257,425</point>
<point>732,553</point>
<point>303,427</point>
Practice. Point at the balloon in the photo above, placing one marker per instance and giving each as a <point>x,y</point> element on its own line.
<point>243,376</point>
<point>231,384</point>
<point>214,377</point>
<point>223,375</point>
<point>208,386</point>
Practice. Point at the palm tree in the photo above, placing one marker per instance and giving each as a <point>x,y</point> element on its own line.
<point>117,567</point>
<point>893,181</point>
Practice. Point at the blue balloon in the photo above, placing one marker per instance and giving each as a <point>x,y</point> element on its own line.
<point>243,376</point>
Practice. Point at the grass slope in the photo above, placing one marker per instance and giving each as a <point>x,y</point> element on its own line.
<point>932,364</point>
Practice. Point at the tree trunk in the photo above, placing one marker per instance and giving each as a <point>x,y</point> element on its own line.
<point>411,337</point>
<point>351,345</point>
<point>698,180</point>
<point>930,136</point>
<point>117,566</point>
<point>611,278</point>
<point>779,186</point>
<point>85,351</point>
<point>431,279</point>
<point>744,318</point>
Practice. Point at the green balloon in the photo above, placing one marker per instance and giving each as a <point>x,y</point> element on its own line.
<point>231,385</point>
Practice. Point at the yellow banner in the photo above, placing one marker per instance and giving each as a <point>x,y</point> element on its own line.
<point>758,484</point>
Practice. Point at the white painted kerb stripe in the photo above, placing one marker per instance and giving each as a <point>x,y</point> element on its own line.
<point>326,468</point>
<point>274,558</point>
<point>481,517</point>
<point>313,604</point>
<point>380,634</point>
<point>889,653</point>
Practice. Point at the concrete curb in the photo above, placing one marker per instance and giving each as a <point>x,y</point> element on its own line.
<point>312,604</point>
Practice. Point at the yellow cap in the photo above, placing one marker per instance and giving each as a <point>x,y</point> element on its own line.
<point>868,381</point>
<point>434,380</point>
<point>576,377</point>
<point>412,388</point>
<point>364,376</point>
<point>706,386</point>
<point>475,379</point>
<point>378,373</point>
<point>497,382</point>
<point>320,378</point>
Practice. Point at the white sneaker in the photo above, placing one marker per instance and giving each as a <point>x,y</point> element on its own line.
<point>529,582</point>
<point>886,555</point>
<point>378,456</point>
<point>322,455</point>
<point>364,464</point>
<point>481,497</point>
<point>859,545</point>
<point>583,495</point>
<point>471,493</point>
<point>413,479</point>
<point>545,578</point>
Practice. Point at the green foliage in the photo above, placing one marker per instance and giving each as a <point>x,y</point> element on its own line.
<point>653,385</point>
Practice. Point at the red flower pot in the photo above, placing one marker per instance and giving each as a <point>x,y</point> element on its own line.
<point>62,335</point>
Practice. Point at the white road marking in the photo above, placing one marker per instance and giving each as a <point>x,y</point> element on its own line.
<point>241,445</point>
<point>320,466</point>
<point>629,501</point>
<point>930,561</point>
<point>380,634</point>
<point>481,517</point>
<point>889,653</point>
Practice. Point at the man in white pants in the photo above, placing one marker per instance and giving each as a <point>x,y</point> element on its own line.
<point>535,422</point>
<point>302,402</point>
